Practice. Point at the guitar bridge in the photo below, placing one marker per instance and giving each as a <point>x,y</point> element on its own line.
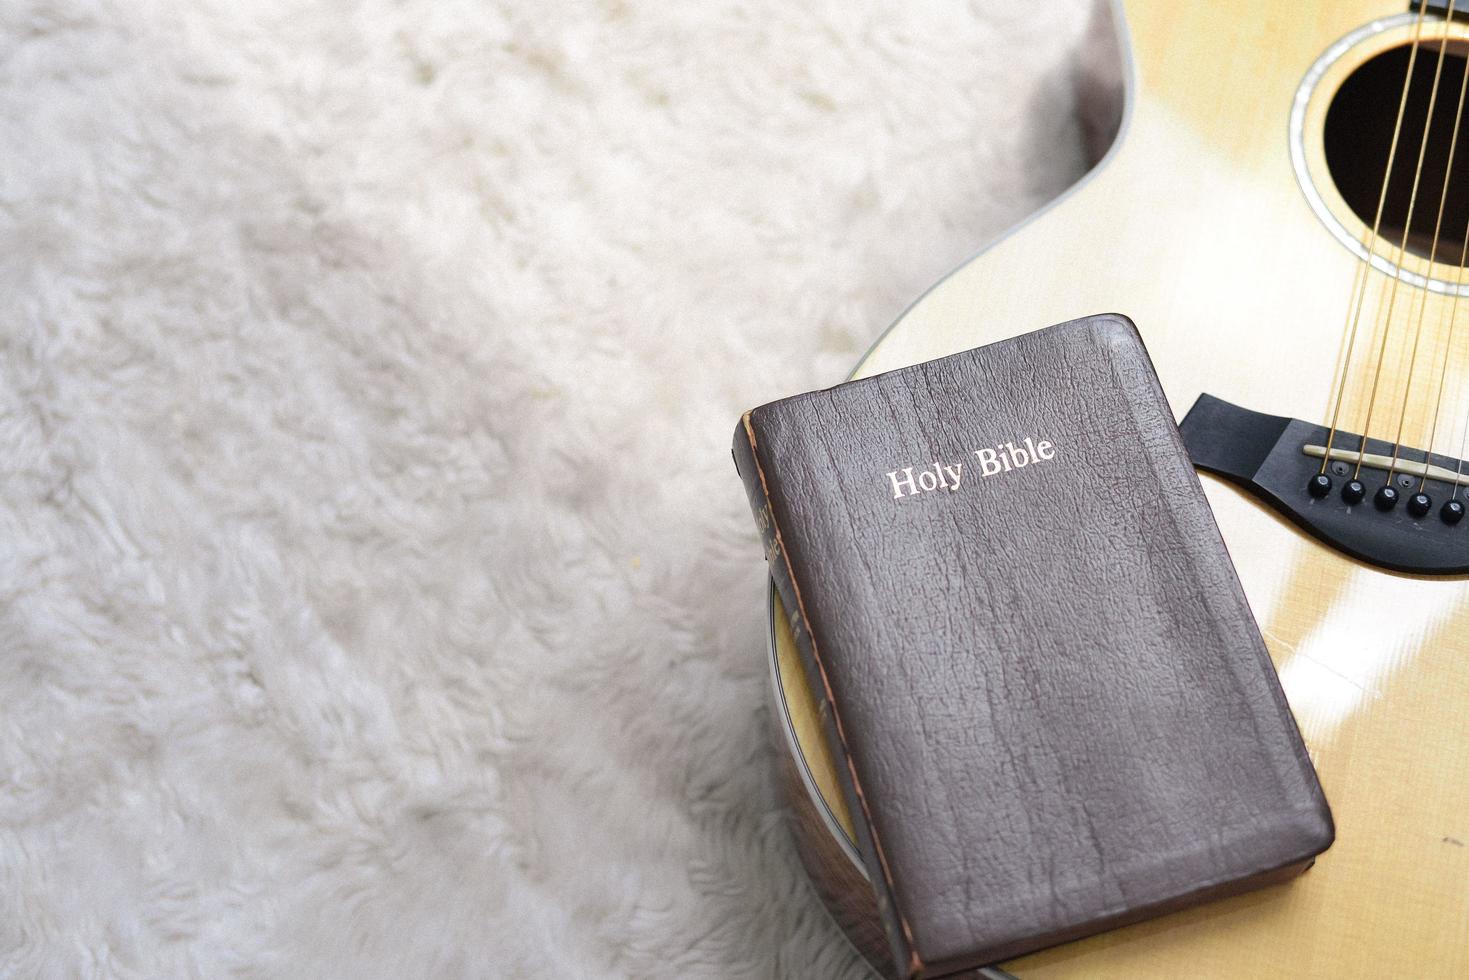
<point>1279,460</point>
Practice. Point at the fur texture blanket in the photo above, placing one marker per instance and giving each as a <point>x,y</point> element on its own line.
<point>377,597</point>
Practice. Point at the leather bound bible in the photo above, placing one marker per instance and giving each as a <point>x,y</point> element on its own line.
<point>1051,706</point>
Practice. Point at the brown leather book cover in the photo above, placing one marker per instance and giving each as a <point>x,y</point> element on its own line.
<point>1053,707</point>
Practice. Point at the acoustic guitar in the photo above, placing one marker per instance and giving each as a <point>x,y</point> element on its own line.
<point>1284,214</point>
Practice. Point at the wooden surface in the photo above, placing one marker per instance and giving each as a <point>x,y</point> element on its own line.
<point>1197,228</point>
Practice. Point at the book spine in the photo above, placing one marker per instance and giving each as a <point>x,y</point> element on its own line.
<point>782,573</point>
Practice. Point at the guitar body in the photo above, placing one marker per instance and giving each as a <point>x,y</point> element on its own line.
<point>1201,227</point>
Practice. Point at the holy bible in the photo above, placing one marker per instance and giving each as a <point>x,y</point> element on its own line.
<point>1051,707</point>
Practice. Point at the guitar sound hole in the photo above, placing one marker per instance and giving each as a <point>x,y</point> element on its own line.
<point>1358,135</point>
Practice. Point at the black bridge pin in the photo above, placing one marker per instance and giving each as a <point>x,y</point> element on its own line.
<point>1452,512</point>
<point>1319,486</point>
<point>1386,498</point>
<point>1353,491</point>
<point>1420,504</point>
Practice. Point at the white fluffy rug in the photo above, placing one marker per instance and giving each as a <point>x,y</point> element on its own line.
<point>377,596</point>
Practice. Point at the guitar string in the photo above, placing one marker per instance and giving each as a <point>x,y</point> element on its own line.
<point>1453,311</point>
<point>1344,352</point>
<point>1356,299</point>
<point>1423,295</point>
<point>1398,258</point>
<point>1464,435</point>
<point>1459,460</point>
